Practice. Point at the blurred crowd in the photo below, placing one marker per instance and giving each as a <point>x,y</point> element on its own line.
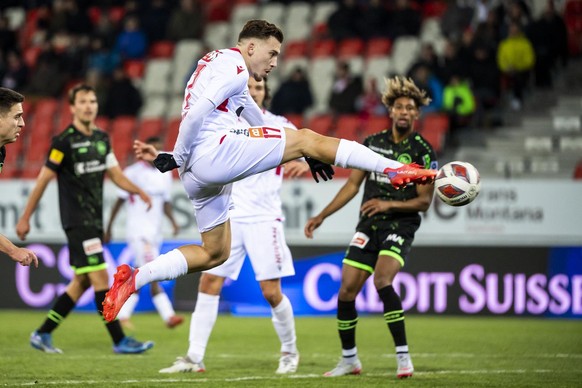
<point>492,47</point>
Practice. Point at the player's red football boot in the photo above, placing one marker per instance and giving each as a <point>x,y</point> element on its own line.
<point>122,288</point>
<point>409,173</point>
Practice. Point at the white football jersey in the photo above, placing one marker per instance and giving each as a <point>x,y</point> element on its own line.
<point>221,76</point>
<point>140,221</point>
<point>257,197</point>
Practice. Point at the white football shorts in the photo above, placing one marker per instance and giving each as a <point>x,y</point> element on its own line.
<point>144,249</point>
<point>265,244</point>
<point>225,158</point>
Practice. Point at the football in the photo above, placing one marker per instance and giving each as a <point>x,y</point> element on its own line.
<point>457,183</point>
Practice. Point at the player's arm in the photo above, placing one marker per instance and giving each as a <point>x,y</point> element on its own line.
<point>344,195</point>
<point>20,255</point>
<point>114,211</point>
<point>169,212</point>
<point>44,177</point>
<point>253,114</point>
<point>118,177</point>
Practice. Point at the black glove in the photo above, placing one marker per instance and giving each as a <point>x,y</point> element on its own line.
<point>324,170</point>
<point>165,162</point>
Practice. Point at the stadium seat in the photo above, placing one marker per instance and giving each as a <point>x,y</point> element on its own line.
<point>217,11</point>
<point>378,47</point>
<point>321,124</point>
<point>154,107</point>
<point>296,119</point>
<point>348,127</point>
<point>134,68</point>
<point>378,68</point>
<point>186,54</point>
<point>290,64</point>
<point>405,51</point>
<point>241,13</point>
<point>46,108</point>
<point>157,76</point>
<point>94,14</point>
<point>41,129</point>
<point>438,122</point>
<point>150,127</point>
<point>273,12</point>
<point>323,48</point>
<point>216,35</point>
<point>297,21</point>
<point>31,55</point>
<point>102,123</point>
<point>295,49</point>
<point>16,17</point>
<point>348,48</point>
<point>124,125</point>
<point>322,10</point>
<point>161,49</point>
<point>116,14</point>
<point>171,134</point>
<point>375,124</point>
<point>433,8</point>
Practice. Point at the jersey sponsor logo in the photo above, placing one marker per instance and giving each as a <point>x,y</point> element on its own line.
<point>404,159</point>
<point>360,240</point>
<point>265,132</point>
<point>378,177</point>
<point>92,246</point>
<point>89,167</point>
<point>381,150</point>
<point>239,69</point>
<point>81,144</point>
<point>396,238</point>
<point>211,56</point>
<point>56,156</point>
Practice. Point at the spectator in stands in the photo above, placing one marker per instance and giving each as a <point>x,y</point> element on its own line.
<point>456,19</point>
<point>459,103</point>
<point>48,77</point>
<point>516,11</point>
<point>77,21</point>
<point>343,22</point>
<point>516,59</point>
<point>345,90</point>
<point>131,41</point>
<point>15,75</point>
<point>370,103</point>
<point>485,80</point>
<point>426,80</point>
<point>155,20</point>
<point>451,62</point>
<point>186,22</point>
<point>294,95</point>
<point>429,58</point>
<point>549,37</point>
<point>123,98</point>
<point>404,20</point>
<point>8,40</point>
<point>105,30</point>
<point>374,21</point>
<point>102,58</point>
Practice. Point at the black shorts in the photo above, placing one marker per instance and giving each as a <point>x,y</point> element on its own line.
<point>85,249</point>
<point>388,237</point>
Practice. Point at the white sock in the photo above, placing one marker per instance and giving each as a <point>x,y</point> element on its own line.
<point>128,308</point>
<point>165,267</point>
<point>351,154</point>
<point>350,354</point>
<point>203,319</point>
<point>285,325</point>
<point>402,349</point>
<point>164,306</point>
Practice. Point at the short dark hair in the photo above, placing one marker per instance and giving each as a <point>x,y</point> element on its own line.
<point>153,139</point>
<point>8,98</point>
<point>78,88</point>
<point>260,29</point>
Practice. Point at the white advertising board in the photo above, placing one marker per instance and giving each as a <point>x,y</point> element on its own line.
<point>524,213</point>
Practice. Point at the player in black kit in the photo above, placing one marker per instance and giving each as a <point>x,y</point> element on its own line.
<point>79,157</point>
<point>389,219</point>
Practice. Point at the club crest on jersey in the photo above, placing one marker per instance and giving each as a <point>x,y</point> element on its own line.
<point>360,240</point>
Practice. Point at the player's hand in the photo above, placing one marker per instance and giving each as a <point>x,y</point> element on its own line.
<point>22,228</point>
<point>24,257</point>
<point>144,151</point>
<point>374,206</point>
<point>165,162</point>
<point>295,168</point>
<point>324,170</point>
<point>312,224</point>
<point>146,198</point>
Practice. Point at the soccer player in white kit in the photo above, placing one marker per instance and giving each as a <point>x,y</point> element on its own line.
<point>257,230</point>
<point>144,230</point>
<point>212,151</point>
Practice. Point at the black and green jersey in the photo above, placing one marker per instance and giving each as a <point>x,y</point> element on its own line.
<point>80,162</point>
<point>414,149</point>
<point>2,157</point>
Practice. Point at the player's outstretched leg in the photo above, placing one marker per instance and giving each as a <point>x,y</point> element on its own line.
<point>122,288</point>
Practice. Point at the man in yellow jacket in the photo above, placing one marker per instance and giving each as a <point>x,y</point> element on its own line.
<point>516,59</point>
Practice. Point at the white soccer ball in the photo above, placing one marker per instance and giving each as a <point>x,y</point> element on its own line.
<point>457,183</point>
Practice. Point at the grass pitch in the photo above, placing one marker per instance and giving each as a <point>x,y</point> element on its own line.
<point>243,352</point>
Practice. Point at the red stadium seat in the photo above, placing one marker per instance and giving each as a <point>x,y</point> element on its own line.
<point>350,48</point>
<point>296,49</point>
<point>94,14</point>
<point>373,125</point>
<point>573,7</point>
<point>31,55</point>
<point>116,14</point>
<point>172,134</point>
<point>378,47</point>
<point>123,125</point>
<point>150,127</point>
<point>433,8</point>
<point>321,124</point>
<point>46,108</point>
<point>134,68</point>
<point>102,123</point>
<point>438,122</point>
<point>323,48</point>
<point>348,127</point>
<point>162,49</point>
<point>296,119</point>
